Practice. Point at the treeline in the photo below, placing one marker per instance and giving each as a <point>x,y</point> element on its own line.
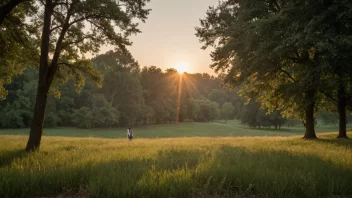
<point>292,56</point>
<point>131,96</point>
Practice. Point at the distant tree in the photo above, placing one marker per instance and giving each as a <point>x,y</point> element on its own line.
<point>249,114</point>
<point>219,96</point>
<point>276,119</point>
<point>147,114</point>
<point>65,107</point>
<point>100,114</point>
<point>214,111</point>
<point>226,111</point>
<point>83,117</point>
<point>121,84</point>
<point>16,109</point>
<point>328,118</point>
<point>65,39</point>
<point>203,110</point>
<point>253,116</point>
<point>193,109</point>
<point>160,93</point>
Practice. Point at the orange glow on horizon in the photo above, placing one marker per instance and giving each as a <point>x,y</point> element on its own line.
<point>182,67</point>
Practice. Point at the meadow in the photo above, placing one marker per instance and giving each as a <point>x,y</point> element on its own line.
<point>232,128</point>
<point>178,167</point>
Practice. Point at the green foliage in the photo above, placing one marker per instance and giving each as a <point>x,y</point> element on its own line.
<point>100,114</point>
<point>18,49</point>
<point>51,119</point>
<point>128,97</point>
<point>253,116</point>
<point>64,107</point>
<point>83,117</point>
<point>227,111</point>
<point>284,65</point>
<point>16,109</point>
<point>328,118</point>
<point>218,96</point>
<point>203,110</point>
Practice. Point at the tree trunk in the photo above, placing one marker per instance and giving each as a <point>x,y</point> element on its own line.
<point>36,132</point>
<point>309,122</point>
<point>44,83</point>
<point>341,103</point>
<point>275,126</point>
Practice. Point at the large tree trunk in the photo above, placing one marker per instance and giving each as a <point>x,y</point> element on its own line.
<point>44,83</point>
<point>36,132</point>
<point>341,103</point>
<point>309,121</point>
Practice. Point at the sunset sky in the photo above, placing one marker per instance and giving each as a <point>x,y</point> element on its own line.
<point>168,36</point>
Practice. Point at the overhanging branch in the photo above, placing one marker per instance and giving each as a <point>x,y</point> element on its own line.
<point>288,74</point>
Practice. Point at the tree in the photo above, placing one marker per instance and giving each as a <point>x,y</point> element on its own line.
<point>65,39</point>
<point>219,96</point>
<point>193,109</point>
<point>160,93</point>
<point>100,114</point>
<point>328,118</point>
<point>226,111</point>
<point>331,27</point>
<point>214,111</point>
<point>16,108</point>
<point>274,59</point>
<point>121,84</point>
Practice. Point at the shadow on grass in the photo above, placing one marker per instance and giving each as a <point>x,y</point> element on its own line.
<point>347,143</point>
<point>276,174</point>
<point>7,157</point>
<point>223,171</point>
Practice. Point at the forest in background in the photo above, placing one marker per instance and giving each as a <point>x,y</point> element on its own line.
<point>131,95</point>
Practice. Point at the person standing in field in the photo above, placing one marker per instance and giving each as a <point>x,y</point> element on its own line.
<point>129,134</point>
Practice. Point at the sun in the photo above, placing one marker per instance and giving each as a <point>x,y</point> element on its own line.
<point>182,67</point>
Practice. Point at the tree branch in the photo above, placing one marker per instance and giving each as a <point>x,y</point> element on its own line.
<point>67,64</point>
<point>76,41</point>
<point>329,96</point>
<point>7,8</point>
<point>285,72</point>
<point>54,28</point>
<point>58,48</point>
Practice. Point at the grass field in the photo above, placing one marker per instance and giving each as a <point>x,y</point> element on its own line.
<point>215,129</point>
<point>194,167</point>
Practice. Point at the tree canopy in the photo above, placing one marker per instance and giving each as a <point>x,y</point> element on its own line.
<point>280,52</point>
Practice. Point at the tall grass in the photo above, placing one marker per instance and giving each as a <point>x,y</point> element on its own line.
<point>178,167</point>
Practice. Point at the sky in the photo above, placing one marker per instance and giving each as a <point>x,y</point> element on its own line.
<point>168,35</point>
